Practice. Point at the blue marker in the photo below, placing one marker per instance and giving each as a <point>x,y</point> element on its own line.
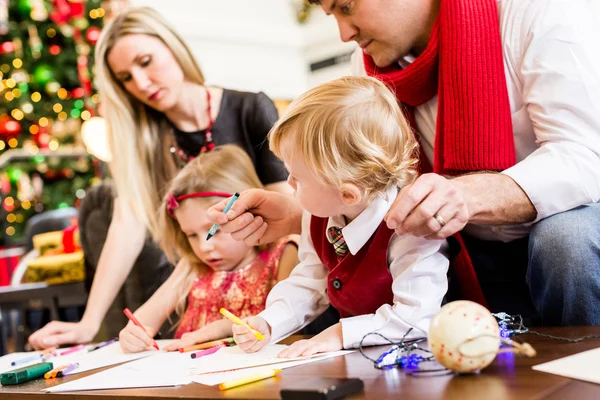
<point>35,357</point>
<point>215,227</point>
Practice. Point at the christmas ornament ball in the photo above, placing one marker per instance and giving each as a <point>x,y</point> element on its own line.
<point>24,7</point>
<point>464,336</point>
<point>9,127</point>
<point>43,74</point>
<point>52,87</point>
<point>92,34</point>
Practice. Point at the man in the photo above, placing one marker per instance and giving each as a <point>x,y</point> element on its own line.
<point>505,98</point>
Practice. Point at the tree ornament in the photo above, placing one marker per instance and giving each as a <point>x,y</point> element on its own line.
<point>24,7</point>
<point>52,87</point>
<point>39,12</point>
<point>43,74</point>
<point>21,77</point>
<point>66,30</point>
<point>92,35</point>
<point>4,183</point>
<point>464,337</point>
<point>34,41</point>
<point>9,128</point>
<point>81,23</point>
<point>7,47</point>
<point>14,174</point>
<point>18,47</point>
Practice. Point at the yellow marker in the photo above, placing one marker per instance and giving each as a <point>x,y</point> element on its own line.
<point>248,379</point>
<point>238,321</point>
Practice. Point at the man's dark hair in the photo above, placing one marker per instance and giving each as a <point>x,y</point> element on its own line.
<point>315,2</point>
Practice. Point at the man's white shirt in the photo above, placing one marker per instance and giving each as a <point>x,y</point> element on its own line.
<point>418,268</point>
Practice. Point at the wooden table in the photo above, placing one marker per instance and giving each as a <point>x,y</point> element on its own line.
<point>509,377</point>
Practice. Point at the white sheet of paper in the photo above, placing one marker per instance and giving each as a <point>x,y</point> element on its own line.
<point>172,369</point>
<point>160,369</point>
<point>582,366</point>
<point>234,358</point>
<point>220,377</point>
<point>103,357</point>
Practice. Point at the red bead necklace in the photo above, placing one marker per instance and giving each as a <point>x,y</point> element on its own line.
<point>208,144</point>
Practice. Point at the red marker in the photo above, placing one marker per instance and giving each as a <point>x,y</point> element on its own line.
<point>133,319</point>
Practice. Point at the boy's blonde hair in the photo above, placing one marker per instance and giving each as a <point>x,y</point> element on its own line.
<point>138,136</point>
<point>227,169</point>
<point>350,130</point>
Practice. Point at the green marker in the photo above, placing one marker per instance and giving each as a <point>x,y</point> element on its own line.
<point>215,227</point>
<point>25,374</point>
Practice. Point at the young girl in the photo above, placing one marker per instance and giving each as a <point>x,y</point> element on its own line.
<point>209,274</point>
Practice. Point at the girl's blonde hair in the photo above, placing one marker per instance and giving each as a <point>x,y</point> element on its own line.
<point>350,130</point>
<point>228,169</point>
<point>142,164</point>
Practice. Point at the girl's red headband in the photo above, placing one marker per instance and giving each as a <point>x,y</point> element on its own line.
<point>173,202</point>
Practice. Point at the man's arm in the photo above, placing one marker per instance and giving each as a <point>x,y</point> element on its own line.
<point>493,198</point>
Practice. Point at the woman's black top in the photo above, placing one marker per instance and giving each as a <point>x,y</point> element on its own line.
<point>244,119</point>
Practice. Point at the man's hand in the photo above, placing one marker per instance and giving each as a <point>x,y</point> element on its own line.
<point>432,207</point>
<point>330,339</point>
<point>258,216</point>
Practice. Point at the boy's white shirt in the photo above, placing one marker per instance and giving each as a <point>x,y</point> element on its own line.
<point>418,268</point>
<point>552,68</point>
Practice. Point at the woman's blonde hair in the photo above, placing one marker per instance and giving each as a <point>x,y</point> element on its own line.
<point>227,169</point>
<point>350,130</point>
<point>142,164</point>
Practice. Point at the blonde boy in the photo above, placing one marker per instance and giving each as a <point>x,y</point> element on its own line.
<point>348,149</point>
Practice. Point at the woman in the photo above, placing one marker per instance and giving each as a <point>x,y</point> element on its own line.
<point>160,114</point>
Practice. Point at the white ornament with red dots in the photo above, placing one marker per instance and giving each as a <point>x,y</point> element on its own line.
<point>464,336</point>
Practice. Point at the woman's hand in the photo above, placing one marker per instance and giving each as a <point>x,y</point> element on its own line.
<point>57,333</point>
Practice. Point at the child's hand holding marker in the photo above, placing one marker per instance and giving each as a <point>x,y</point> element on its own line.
<point>135,337</point>
<point>245,335</point>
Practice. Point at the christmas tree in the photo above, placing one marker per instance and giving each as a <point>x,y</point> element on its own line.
<point>46,93</point>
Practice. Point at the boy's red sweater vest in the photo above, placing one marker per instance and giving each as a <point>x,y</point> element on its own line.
<point>361,283</point>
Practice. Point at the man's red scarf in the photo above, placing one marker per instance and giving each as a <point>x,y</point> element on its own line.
<point>463,64</point>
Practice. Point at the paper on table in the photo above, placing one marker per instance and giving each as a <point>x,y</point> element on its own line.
<point>162,369</point>
<point>220,377</point>
<point>233,358</point>
<point>110,355</point>
<point>582,366</point>
<point>171,369</point>
<point>103,357</point>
